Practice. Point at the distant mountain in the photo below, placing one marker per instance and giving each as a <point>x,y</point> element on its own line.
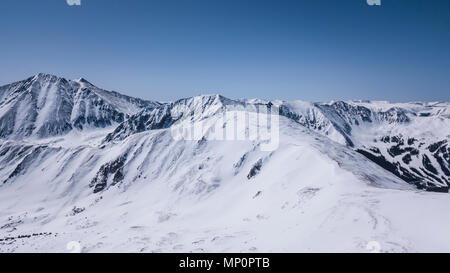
<point>81,164</point>
<point>45,105</point>
<point>407,139</point>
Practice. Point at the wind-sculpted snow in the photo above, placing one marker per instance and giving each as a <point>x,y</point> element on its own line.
<point>106,171</point>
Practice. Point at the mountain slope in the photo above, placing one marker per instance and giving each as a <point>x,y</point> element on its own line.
<point>193,109</point>
<point>130,185</point>
<point>151,193</point>
<point>407,139</point>
<point>46,105</point>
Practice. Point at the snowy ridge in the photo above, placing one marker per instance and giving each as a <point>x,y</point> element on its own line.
<point>367,127</point>
<point>408,139</point>
<point>167,114</point>
<point>120,184</point>
<point>157,191</point>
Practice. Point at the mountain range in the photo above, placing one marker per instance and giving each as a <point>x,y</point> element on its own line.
<point>87,165</point>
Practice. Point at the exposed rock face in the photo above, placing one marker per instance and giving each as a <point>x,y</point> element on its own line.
<point>112,169</point>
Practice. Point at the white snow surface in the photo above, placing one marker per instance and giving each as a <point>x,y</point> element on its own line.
<point>314,193</point>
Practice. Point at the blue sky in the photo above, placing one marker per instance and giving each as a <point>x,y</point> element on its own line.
<point>315,50</point>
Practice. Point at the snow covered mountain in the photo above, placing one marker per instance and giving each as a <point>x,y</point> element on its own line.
<point>46,105</point>
<point>106,172</point>
<point>407,139</point>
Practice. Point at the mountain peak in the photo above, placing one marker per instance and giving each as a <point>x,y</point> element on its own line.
<point>46,76</point>
<point>82,81</point>
<point>46,105</point>
<point>42,75</point>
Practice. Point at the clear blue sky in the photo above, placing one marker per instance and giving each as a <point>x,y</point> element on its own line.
<point>315,50</point>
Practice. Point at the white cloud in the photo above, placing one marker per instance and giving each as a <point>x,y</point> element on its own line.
<point>73,2</point>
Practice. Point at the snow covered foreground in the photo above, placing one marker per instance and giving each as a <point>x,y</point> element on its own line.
<point>126,188</point>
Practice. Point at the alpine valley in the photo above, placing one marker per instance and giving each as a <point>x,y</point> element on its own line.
<point>82,164</point>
